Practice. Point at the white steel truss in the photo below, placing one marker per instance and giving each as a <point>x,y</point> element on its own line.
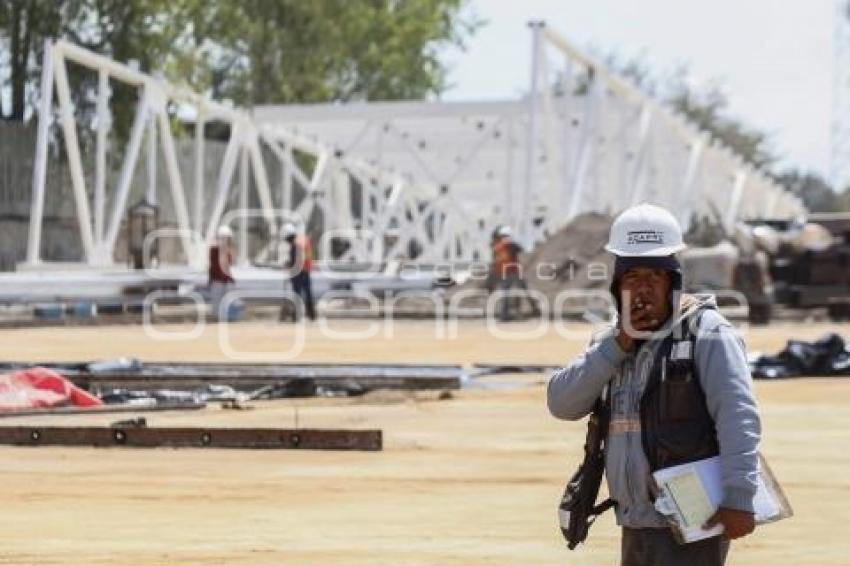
<point>840,126</point>
<point>98,235</point>
<point>418,180</point>
<point>643,150</point>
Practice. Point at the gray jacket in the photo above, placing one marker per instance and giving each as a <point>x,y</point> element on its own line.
<point>720,361</point>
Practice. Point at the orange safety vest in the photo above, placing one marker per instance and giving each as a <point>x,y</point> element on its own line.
<point>305,247</point>
<point>505,260</point>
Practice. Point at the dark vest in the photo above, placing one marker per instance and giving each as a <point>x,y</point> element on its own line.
<point>675,423</point>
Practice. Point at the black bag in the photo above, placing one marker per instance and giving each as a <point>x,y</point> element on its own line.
<point>578,509</point>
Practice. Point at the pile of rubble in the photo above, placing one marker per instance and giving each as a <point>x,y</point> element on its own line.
<point>572,258</point>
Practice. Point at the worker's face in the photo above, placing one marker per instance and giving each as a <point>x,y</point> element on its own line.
<point>644,295</point>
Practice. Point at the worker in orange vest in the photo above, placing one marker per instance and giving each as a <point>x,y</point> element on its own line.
<point>300,264</point>
<point>220,277</point>
<point>506,272</point>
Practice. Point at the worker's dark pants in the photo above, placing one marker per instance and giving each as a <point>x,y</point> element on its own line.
<point>302,287</point>
<point>512,285</point>
<point>657,547</point>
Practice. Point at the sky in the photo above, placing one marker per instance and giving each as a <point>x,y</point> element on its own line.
<point>773,58</point>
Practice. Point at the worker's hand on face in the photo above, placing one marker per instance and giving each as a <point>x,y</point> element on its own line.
<point>736,523</point>
<point>643,296</point>
<point>642,316</point>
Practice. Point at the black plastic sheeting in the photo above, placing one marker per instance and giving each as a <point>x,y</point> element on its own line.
<point>827,356</point>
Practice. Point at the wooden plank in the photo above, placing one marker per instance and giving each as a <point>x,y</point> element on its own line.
<point>187,437</point>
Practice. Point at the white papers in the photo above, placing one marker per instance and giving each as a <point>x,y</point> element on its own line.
<point>691,500</point>
<point>690,493</point>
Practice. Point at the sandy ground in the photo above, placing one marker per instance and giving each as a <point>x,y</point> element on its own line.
<point>470,480</point>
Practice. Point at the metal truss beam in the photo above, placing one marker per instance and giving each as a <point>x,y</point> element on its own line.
<point>186,437</point>
<point>431,177</point>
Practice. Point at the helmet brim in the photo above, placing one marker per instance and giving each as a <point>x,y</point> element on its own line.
<point>654,252</point>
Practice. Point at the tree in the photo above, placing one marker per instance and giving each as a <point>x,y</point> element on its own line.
<point>844,200</point>
<point>706,106</point>
<point>290,51</point>
<point>25,24</point>
<point>251,51</point>
<point>709,110</point>
<point>817,195</point>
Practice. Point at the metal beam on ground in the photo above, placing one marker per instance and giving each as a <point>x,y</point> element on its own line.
<point>186,437</point>
<point>250,376</point>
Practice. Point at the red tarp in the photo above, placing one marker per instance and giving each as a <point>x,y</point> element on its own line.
<point>40,388</point>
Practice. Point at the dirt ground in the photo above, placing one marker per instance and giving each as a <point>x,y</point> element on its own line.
<point>469,480</point>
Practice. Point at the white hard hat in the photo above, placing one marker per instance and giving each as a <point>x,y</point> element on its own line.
<point>645,230</point>
<point>504,231</point>
<point>224,231</point>
<point>288,230</point>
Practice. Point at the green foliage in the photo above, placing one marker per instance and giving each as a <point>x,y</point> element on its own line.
<point>844,200</point>
<point>709,110</point>
<point>251,51</point>
<point>290,51</point>
<point>815,192</point>
<point>706,106</point>
<point>24,25</point>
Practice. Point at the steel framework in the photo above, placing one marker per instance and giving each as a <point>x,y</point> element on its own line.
<point>591,142</point>
<point>420,180</point>
<point>840,128</point>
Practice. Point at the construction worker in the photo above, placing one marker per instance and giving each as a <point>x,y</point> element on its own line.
<point>506,273</point>
<point>674,374</point>
<point>220,276</point>
<point>300,264</point>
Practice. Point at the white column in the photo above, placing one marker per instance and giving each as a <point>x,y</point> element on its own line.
<point>100,156</point>
<point>566,150</point>
<point>225,176</point>
<point>509,188</point>
<point>261,181</point>
<point>40,162</point>
<point>150,195</point>
<point>75,164</point>
<point>194,254</point>
<point>523,222</point>
<point>131,156</point>
<point>638,177</point>
<point>243,205</point>
<point>687,197</point>
<point>735,200</point>
<point>286,179</point>
<point>198,204</point>
<point>586,146</point>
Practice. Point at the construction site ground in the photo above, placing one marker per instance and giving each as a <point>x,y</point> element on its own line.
<point>471,479</point>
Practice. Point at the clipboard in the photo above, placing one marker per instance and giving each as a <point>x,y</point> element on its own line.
<point>688,494</point>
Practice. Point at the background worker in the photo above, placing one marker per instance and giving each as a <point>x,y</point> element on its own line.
<point>299,263</point>
<point>671,402</point>
<point>506,273</point>
<point>220,276</point>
